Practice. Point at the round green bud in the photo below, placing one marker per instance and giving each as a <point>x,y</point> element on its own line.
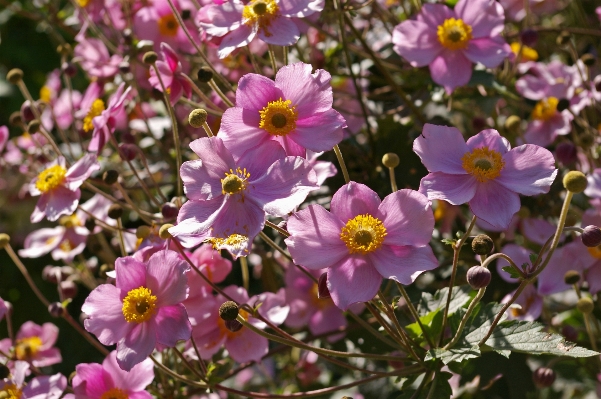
<point>585,305</point>
<point>150,57</point>
<point>391,160</point>
<point>482,244</point>
<point>142,232</point>
<point>14,76</point>
<point>571,277</point>
<point>164,231</point>
<point>197,118</point>
<point>33,126</point>
<point>229,310</point>
<point>110,176</point>
<point>575,181</point>
<point>15,118</point>
<point>4,240</point>
<point>512,123</point>
<point>204,74</point>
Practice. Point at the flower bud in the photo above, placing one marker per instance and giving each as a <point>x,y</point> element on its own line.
<point>90,223</point>
<point>563,104</point>
<point>186,14</point>
<point>229,311</point>
<point>51,274</point>
<point>4,372</point>
<point>591,236</point>
<point>33,126</point>
<point>563,38</point>
<point>566,153</point>
<point>529,37</point>
<point>150,57</point>
<point>68,289</point>
<point>164,231</point>
<point>104,268</point>
<point>110,177</point>
<point>391,160</point>
<point>479,123</point>
<point>4,240</point>
<point>543,377</point>
<point>128,152</point>
<point>27,114</point>
<point>115,211</point>
<point>169,210</point>
<point>571,277</point>
<point>204,75</point>
<point>56,309</point>
<point>478,277</point>
<point>142,232</point>
<point>588,59</point>
<point>322,286</point>
<point>482,244</point>
<point>575,181</point>
<point>124,67</point>
<point>15,119</point>
<point>233,325</point>
<point>197,118</point>
<point>64,49</point>
<point>585,305</point>
<point>69,69</point>
<point>512,123</point>
<point>14,76</point>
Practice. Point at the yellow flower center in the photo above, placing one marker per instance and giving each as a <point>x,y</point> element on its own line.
<point>139,305</point>
<point>363,234</point>
<point>260,12</point>
<point>482,163</point>
<point>114,393</point>
<point>70,221</point>
<point>595,251</point>
<point>278,117</point>
<point>66,245</point>
<point>51,178</point>
<point>234,182</point>
<point>10,391</point>
<point>454,34</point>
<point>235,241</point>
<point>26,348</point>
<point>95,110</point>
<point>545,109</point>
<point>528,53</point>
<point>168,25</point>
<point>45,94</point>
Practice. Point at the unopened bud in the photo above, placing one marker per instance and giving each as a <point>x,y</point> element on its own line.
<point>15,119</point>
<point>571,277</point>
<point>204,75</point>
<point>543,377</point>
<point>322,286</point>
<point>115,211</point>
<point>164,231</point>
<point>482,244</point>
<point>575,181</point>
<point>169,210</point>
<point>33,126</point>
<point>69,69</point>
<point>233,325</point>
<point>124,67</point>
<point>68,289</point>
<point>591,236</point>
<point>391,160</point>
<point>197,118</point>
<point>529,37</point>
<point>4,240</point>
<point>229,311</point>
<point>588,59</point>
<point>142,232</point>
<point>90,224</point>
<point>56,309</point>
<point>150,57</point>
<point>563,38</point>
<point>512,123</point>
<point>14,76</point>
<point>64,49</point>
<point>566,153</point>
<point>585,305</point>
<point>104,268</point>
<point>478,277</point>
<point>4,372</point>
<point>128,152</point>
<point>110,176</point>
<point>563,104</point>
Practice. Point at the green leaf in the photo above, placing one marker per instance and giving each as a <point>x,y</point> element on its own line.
<point>449,241</point>
<point>438,388</point>
<point>429,303</point>
<point>455,354</point>
<point>512,272</point>
<point>533,258</point>
<point>432,323</point>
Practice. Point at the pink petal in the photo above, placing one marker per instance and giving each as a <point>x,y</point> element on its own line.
<point>320,132</point>
<point>529,170</point>
<point>539,133</point>
<point>47,357</point>
<point>46,387</point>
<point>136,346</point>
<point>486,17</point>
<point>593,277</point>
<point>140,376</point>
<point>166,277</point>
<point>328,318</point>
<point>408,218</point>
<point>172,325</point>
<point>455,189</point>
<point>300,8</point>
<point>196,217</point>
<point>202,180</point>
<point>495,204</point>
<point>255,91</point>
<point>490,139</point>
<point>258,159</point>
<point>240,129</point>
<point>417,42</point>
<point>235,39</point>
<point>210,342</point>
<point>89,380</point>
<point>42,241</point>
<point>353,280</point>
<point>170,57</point>
<point>61,201</point>
<point>131,274</point>
<point>281,32</point>
<point>435,14</point>
<point>48,335</point>
<point>106,321</point>
<point>246,345</point>
<point>354,199</point>
<point>403,264</point>
<point>451,69</point>
<point>223,17</point>
<point>309,93</point>
<point>440,148</point>
<point>488,51</point>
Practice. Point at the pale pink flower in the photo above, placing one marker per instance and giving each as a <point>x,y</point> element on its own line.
<point>34,344</point>
<point>104,119</point>
<point>42,387</point>
<point>170,71</point>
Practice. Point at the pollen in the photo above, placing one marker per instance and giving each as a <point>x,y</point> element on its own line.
<point>260,12</point>
<point>114,393</point>
<point>528,53</point>
<point>278,117</point>
<point>363,234</point>
<point>234,241</point>
<point>10,391</point>
<point>70,221</point>
<point>51,178</point>
<point>454,34</point>
<point>46,94</point>
<point>545,109</point>
<point>482,163</point>
<point>595,251</point>
<point>26,348</point>
<point>234,181</point>
<point>95,110</point>
<point>139,305</point>
<point>66,245</point>
<point>168,25</point>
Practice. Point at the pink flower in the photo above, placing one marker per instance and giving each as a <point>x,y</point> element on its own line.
<point>95,59</point>
<point>3,137</point>
<point>35,344</point>
<point>231,193</point>
<point>484,172</point>
<point>364,239</point>
<point>273,21</point>
<point>528,306</point>
<point>451,40</point>
<point>108,380</point>
<point>143,309</point>
<point>46,387</point>
<point>104,119</point>
<point>3,309</point>
<point>156,22</point>
<point>295,110</point>
<point>58,187</point>
<point>170,71</point>
<point>514,9</point>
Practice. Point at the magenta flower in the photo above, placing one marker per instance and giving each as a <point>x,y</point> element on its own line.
<point>58,187</point>
<point>155,21</point>
<point>295,110</point>
<point>273,21</point>
<point>95,59</point>
<point>104,119</point>
<point>528,306</point>
<point>230,194</point>
<point>484,172</point>
<point>143,309</point>
<point>46,387</point>
<point>451,40</point>
<point>514,9</point>
<point>3,308</point>
<point>170,70</point>
<point>108,380</point>
<point>35,344</point>
<point>363,239</point>
<point>3,137</point>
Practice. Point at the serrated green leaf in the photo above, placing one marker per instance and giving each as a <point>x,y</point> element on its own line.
<point>456,354</point>
<point>449,241</point>
<point>432,323</point>
<point>533,258</point>
<point>512,272</point>
<point>431,302</point>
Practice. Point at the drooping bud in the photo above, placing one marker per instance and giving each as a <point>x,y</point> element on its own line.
<point>563,104</point>
<point>68,289</point>
<point>204,74</point>
<point>110,176</point>
<point>142,232</point>
<point>512,123</point>
<point>233,325</point>
<point>543,377</point>
<point>575,181</point>
<point>115,211</point>
<point>15,119</point>
<point>391,160</point>
<point>529,37</point>
<point>591,236</point>
<point>14,76</point>
<point>33,126</point>
<point>4,240</point>
<point>56,309</point>
<point>482,244</point>
<point>164,231</point>
<point>90,224</point>
<point>228,311</point>
<point>563,38</point>
<point>4,372</point>
<point>197,118</point>
<point>69,69</point>
<point>150,57</point>
<point>322,286</point>
<point>588,59</point>
<point>571,277</point>
<point>169,210</point>
<point>566,153</point>
<point>478,277</point>
<point>124,67</point>
<point>585,305</point>
<point>128,152</point>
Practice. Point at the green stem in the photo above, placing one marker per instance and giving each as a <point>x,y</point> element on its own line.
<point>465,318</point>
<point>347,179</point>
<point>245,274</point>
<point>414,313</point>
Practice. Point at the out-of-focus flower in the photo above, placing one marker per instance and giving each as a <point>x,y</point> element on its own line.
<point>170,71</point>
<point>46,387</point>
<point>524,52</point>
<point>34,344</point>
<point>155,21</point>
<point>484,172</point>
<point>528,306</point>
<point>514,9</point>
<point>363,239</point>
<point>104,119</point>
<point>94,58</point>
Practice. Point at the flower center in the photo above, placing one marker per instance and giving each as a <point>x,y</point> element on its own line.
<point>234,241</point>
<point>545,109</point>
<point>363,234</point>
<point>278,117</point>
<point>10,391</point>
<point>528,53</point>
<point>454,34</point>
<point>483,164</point>
<point>46,94</point>
<point>168,25</point>
<point>66,245</point>
<point>234,182</point>
<point>70,221</point>
<point>138,305</point>
<point>51,178</point>
<point>595,251</point>
<point>114,393</point>
<point>26,348</point>
<point>95,110</point>
<point>260,12</point>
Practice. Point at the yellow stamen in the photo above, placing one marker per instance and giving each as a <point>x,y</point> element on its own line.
<point>545,109</point>
<point>139,305</point>
<point>234,241</point>
<point>528,53</point>
<point>482,163</point>
<point>260,12</point>
<point>70,221</point>
<point>454,34</point>
<point>46,94</point>
<point>95,110</point>
<point>50,178</point>
<point>66,245</point>
<point>26,348</point>
<point>114,393</point>
<point>363,234</point>
<point>234,182</point>
<point>595,251</point>
<point>168,25</point>
<point>10,391</point>
<point>278,117</point>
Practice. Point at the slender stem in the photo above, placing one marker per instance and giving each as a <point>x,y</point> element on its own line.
<point>347,179</point>
<point>277,228</point>
<point>203,96</point>
<point>400,342</point>
<point>245,274</point>
<point>120,234</point>
<point>173,374</point>
<point>392,180</point>
<point>414,313</point>
<point>274,65</point>
<point>372,330</point>
<point>275,246</point>
<point>217,90</point>
<point>207,129</point>
<point>465,318</point>
<point>26,274</point>
<point>188,365</point>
